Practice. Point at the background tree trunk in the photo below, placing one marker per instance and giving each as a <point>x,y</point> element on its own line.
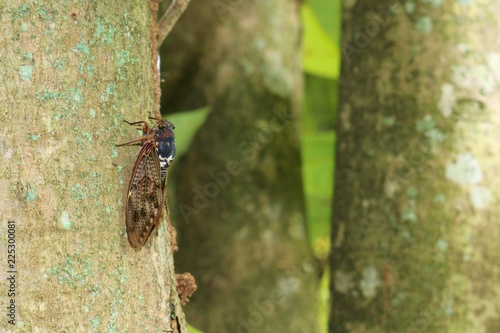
<point>71,72</point>
<point>416,185</point>
<point>238,188</point>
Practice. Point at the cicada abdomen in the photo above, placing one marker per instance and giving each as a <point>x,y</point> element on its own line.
<point>147,188</point>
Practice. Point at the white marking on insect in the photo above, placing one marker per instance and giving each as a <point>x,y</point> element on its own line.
<point>167,160</point>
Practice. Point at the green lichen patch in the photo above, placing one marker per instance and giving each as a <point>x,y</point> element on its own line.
<point>59,63</point>
<point>76,95</point>
<point>94,322</point>
<point>82,47</point>
<point>79,192</point>
<point>123,59</point>
<point>48,95</point>
<point>428,127</point>
<point>44,13</point>
<point>34,137</point>
<point>27,56</point>
<point>410,7</point>
<point>30,195</point>
<point>104,31</point>
<point>109,91</point>
<point>22,11</point>
<point>73,270</point>
<point>65,220</point>
<point>424,24</point>
<point>25,72</point>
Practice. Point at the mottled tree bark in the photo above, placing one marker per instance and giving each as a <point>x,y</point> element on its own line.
<point>71,72</point>
<point>416,186</point>
<point>238,190</point>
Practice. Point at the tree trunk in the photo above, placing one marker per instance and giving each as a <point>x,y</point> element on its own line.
<point>414,230</point>
<point>238,190</point>
<point>71,73</point>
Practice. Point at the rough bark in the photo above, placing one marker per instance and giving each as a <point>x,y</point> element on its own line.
<point>71,72</point>
<point>416,187</point>
<point>238,190</point>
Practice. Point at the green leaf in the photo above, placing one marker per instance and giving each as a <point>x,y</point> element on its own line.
<point>329,14</point>
<point>186,125</point>
<point>320,104</point>
<point>317,172</point>
<point>191,329</point>
<point>324,300</point>
<point>320,55</point>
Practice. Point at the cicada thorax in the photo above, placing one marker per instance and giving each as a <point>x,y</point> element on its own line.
<point>165,141</point>
<point>147,188</point>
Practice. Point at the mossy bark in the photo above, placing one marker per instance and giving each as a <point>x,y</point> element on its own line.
<point>71,72</point>
<point>416,188</point>
<point>238,190</point>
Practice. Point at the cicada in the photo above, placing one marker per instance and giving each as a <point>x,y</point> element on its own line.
<point>146,194</point>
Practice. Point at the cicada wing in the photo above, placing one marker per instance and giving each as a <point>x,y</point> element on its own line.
<point>145,197</point>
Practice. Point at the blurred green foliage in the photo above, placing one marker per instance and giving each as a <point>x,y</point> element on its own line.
<point>321,59</point>
<point>319,52</point>
<point>191,329</point>
<point>317,172</point>
<point>328,14</point>
<point>320,104</point>
<point>186,125</point>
